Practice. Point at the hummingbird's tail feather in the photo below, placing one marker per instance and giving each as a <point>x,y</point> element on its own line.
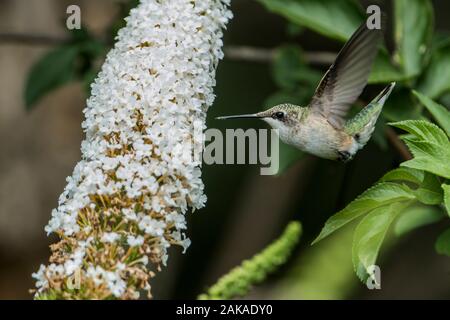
<point>383,95</point>
<point>362,125</point>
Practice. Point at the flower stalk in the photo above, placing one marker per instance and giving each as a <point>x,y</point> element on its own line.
<point>241,279</point>
<point>124,205</point>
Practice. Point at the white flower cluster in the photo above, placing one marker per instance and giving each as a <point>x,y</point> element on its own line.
<point>138,156</point>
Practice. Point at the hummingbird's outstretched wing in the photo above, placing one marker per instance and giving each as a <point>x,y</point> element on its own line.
<point>346,78</point>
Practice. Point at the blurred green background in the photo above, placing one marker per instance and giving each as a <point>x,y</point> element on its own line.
<point>245,211</point>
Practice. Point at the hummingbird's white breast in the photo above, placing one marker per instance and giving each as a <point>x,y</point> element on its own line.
<point>317,136</point>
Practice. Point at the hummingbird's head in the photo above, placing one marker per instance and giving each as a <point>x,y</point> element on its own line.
<point>282,117</point>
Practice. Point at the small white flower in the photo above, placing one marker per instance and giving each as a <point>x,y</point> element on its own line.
<point>135,241</point>
<point>41,280</point>
<point>152,227</point>
<point>115,283</point>
<point>129,214</point>
<point>110,237</point>
<point>71,266</point>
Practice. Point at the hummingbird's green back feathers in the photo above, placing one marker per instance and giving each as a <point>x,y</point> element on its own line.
<point>362,125</point>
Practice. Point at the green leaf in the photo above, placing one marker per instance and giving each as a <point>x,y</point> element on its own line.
<point>53,70</point>
<point>436,79</point>
<point>369,235</point>
<point>442,245</point>
<point>414,20</point>
<point>334,19</point>
<point>286,66</point>
<point>446,189</point>
<point>425,156</point>
<point>416,217</point>
<point>445,99</point>
<point>294,30</point>
<point>290,70</point>
<point>428,187</point>
<point>430,191</point>
<point>384,71</point>
<point>424,131</point>
<point>428,157</point>
<point>404,174</point>
<point>439,112</point>
<point>381,194</point>
<point>429,145</point>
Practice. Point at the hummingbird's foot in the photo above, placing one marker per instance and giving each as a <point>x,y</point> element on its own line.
<point>344,156</point>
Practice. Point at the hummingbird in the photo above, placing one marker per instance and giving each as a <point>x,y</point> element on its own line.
<point>321,128</point>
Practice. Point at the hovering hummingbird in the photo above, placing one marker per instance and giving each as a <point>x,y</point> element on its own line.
<point>321,128</point>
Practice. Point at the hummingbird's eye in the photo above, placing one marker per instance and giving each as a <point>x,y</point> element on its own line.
<point>278,115</point>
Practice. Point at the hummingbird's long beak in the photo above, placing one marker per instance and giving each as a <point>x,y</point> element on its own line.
<point>242,116</point>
